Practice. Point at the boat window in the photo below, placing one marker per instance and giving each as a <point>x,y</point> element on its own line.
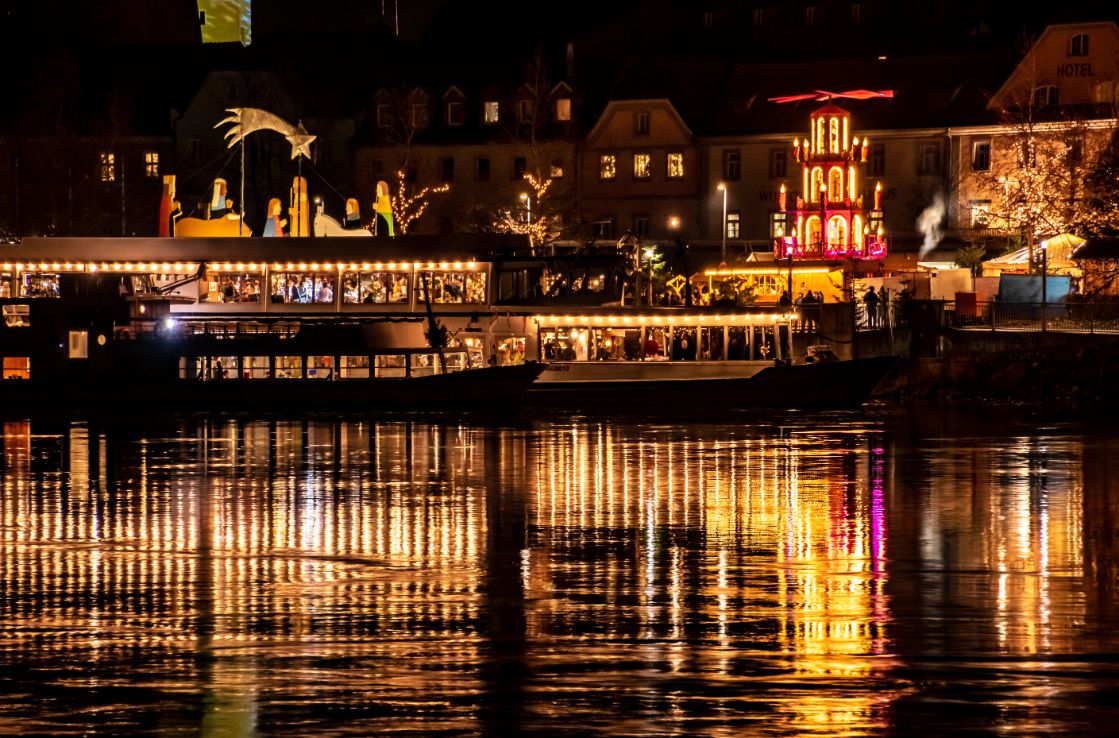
<point>454,287</point>
<point>303,288</point>
<point>38,284</point>
<point>510,351</point>
<point>684,344</point>
<point>374,288</point>
<point>231,287</point>
<point>354,367</point>
<point>711,343</point>
<point>289,367</point>
<point>256,367</point>
<point>220,367</point>
<point>763,346</point>
<point>455,361</point>
<point>17,367</point>
<point>389,365</point>
<point>320,367</point>
<point>657,342</point>
<point>616,344</point>
<point>737,344</point>
<point>423,365</point>
<point>5,285</point>
<point>565,344</point>
<point>190,367</point>
<point>17,316</point>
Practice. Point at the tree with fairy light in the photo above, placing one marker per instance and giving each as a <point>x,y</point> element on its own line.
<point>410,203</point>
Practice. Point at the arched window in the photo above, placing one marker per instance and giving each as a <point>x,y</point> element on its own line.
<point>835,183</point>
<point>837,232</point>
<point>812,231</point>
<point>817,178</point>
<point>1078,45</point>
<point>1046,96</point>
<point>833,136</point>
<point>820,135</point>
<point>857,230</point>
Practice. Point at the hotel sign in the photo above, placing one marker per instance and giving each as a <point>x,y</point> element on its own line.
<point>1080,69</point>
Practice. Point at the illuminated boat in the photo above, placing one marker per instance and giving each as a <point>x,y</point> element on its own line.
<point>648,359</point>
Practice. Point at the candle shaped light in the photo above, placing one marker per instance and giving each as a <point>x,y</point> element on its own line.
<point>824,194</point>
<point>864,149</point>
<point>878,196</point>
<point>781,198</point>
<point>796,148</point>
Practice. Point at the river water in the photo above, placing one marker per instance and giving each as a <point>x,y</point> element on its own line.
<point>867,573</point>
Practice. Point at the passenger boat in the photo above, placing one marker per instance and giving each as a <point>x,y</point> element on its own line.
<point>673,358</point>
<point>331,323</point>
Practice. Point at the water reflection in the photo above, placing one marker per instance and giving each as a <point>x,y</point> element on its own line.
<point>842,574</point>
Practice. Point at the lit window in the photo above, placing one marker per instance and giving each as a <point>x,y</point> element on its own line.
<point>489,112</point>
<point>981,156</point>
<point>734,224</point>
<point>108,166</point>
<point>776,225</point>
<point>1078,45</point>
<point>732,164</point>
<point>556,171</point>
<point>526,111</point>
<point>454,114</point>
<point>607,166</point>
<point>1046,96</point>
<point>151,163</point>
<point>642,166</point>
<point>980,213</point>
<point>675,166</point>
<point>384,116</point>
<point>1106,92</point>
<point>17,367</point>
<point>641,122</point>
<point>563,109</point>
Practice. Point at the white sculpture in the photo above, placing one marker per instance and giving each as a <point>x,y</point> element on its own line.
<point>248,120</point>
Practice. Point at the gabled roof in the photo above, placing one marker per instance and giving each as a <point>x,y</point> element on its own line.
<point>615,106</point>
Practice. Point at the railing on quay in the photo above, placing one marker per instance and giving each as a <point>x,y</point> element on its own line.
<point>1064,317</point>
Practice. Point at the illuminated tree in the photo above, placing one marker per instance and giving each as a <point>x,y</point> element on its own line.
<point>534,218</point>
<point>408,205</point>
<point>1099,214</point>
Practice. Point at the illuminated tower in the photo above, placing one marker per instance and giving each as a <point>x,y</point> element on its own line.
<point>829,220</point>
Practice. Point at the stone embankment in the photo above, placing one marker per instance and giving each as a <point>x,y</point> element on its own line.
<point>1066,373</point>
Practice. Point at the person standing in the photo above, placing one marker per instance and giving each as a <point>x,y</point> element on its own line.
<point>871,300</point>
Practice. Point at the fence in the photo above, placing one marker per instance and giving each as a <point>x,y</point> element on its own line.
<point>1072,317</point>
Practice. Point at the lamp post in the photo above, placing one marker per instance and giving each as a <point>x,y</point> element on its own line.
<point>682,250</point>
<point>723,188</point>
<point>528,217</point>
<point>1044,282</point>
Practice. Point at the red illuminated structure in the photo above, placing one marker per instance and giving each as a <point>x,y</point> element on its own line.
<point>830,220</point>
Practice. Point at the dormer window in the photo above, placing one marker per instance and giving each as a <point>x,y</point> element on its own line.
<point>454,113</point>
<point>810,15</point>
<point>1046,96</point>
<point>419,115</point>
<point>563,109</point>
<point>641,122</point>
<point>1078,45</point>
<point>525,111</point>
<point>489,112</point>
<point>384,116</point>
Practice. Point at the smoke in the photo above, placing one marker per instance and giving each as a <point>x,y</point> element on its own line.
<point>928,222</point>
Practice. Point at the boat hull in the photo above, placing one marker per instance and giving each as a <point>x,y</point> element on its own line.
<point>490,389</point>
<point>836,384</point>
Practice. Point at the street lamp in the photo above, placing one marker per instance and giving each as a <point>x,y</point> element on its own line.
<point>723,188</point>
<point>682,251</point>
<point>1044,281</point>
<point>528,207</point>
